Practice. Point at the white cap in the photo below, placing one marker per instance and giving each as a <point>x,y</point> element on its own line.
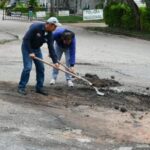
<point>53,20</point>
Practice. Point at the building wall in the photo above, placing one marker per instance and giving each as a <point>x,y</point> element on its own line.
<point>83,4</point>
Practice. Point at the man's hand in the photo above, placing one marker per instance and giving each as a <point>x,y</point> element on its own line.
<point>57,65</point>
<point>72,69</point>
<point>32,55</point>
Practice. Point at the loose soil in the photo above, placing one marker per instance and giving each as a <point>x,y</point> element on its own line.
<point>81,94</point>
<point>116,117</point>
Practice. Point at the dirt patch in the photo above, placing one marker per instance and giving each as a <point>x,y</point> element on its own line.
<point>93,78</point>
<point>118,117</point>
<point>63,96</point>
<point>101,82</point>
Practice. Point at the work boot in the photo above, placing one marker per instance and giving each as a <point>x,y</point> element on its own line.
<point>70,83</point>
<point>52,82</point>
<point>41,91</point>
<point>22,91</point>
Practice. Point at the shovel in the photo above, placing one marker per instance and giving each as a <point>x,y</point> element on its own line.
<point>87,81</point>
<point>77,76</point>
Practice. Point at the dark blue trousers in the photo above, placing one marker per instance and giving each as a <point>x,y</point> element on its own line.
<point>27,66</point>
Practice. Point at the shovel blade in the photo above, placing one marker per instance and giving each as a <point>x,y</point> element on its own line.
<point>98,92</point>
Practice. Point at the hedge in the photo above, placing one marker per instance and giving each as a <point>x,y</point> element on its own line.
<point>145,19</point>
<point>119,15</point>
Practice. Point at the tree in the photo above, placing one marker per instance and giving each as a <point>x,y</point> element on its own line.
<point>134,8</point>
<point>52,7</point>
<point>136,12</point>
<point>33,2</point>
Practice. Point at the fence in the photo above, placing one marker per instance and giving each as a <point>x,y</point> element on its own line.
<point>12,15</point>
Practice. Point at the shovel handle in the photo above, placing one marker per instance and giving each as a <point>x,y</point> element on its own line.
<point>79,77</point>
<point>65,71</point>
<point>63,65</point>
<point>49,64</point>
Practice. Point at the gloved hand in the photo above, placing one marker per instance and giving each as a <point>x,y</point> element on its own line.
<point>32,55</point>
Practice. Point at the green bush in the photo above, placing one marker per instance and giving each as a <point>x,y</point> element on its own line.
<point>128,20</point>
<point>145,19</point>
<point>21,7</point>
<point>33,3</point>
<point>112,14</point>
<point>38,8</point>
<point>107,17</point>
<point>2,3</point>
<point>119,15</point>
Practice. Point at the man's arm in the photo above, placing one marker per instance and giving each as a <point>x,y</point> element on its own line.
<point>52,53</point>
<point>27,38</point>
<point>73,52</point>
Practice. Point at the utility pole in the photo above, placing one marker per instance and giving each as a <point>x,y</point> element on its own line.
<point>52,7</point>
<point>76,6</point>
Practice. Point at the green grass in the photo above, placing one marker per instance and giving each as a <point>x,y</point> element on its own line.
<point>70,19</point>
<point>75,19</point>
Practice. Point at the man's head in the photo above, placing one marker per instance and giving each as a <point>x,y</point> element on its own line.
<point>67,37</point>
<point>51,24</point>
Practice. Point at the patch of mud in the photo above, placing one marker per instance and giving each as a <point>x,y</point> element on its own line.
<point>62,96</point>
<point>99,82</point>
<point>115,117</point>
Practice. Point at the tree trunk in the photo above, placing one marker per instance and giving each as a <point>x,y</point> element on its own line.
<point>136,12</point>
<point>52,7</point>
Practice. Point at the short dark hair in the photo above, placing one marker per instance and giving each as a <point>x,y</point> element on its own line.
<point>67,35</point>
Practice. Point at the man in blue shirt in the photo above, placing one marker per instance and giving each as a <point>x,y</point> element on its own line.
<point>34,38</point>
<point>64,42</point>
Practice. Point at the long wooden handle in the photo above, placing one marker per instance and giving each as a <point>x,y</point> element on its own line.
<point>77,75</point>
<point>63,65</point>
<point>65,71</point>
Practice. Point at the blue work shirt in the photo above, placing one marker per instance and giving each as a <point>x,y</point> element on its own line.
<point>36,36</point>
<point>57,34</point>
